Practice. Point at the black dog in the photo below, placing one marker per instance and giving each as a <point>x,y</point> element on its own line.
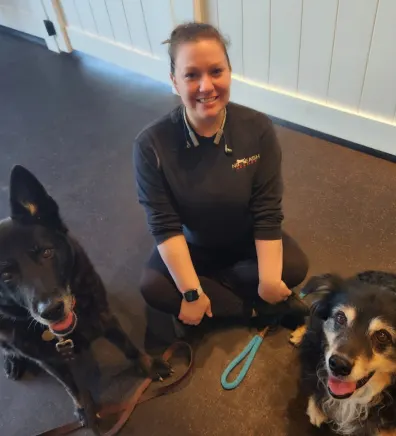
<point>47,278</point>
<point>348,354</point>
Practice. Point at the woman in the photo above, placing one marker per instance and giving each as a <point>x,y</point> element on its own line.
<point>209,177</point>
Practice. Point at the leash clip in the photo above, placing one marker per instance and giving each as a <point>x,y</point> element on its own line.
<point>65,348</point>
<point>64,345</point>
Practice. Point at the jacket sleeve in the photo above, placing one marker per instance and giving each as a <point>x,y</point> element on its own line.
<point>153,193</point>
<point>266,200</point>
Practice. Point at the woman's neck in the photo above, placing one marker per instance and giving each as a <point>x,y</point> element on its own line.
<point>205,127</point>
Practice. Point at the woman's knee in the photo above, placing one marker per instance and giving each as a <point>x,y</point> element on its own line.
<point>158,292</point>
<point>295,265</point>
<point>299,269</point>
<point>150,283</point>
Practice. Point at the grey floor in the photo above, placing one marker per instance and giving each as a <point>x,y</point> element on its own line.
<point>71,120</point>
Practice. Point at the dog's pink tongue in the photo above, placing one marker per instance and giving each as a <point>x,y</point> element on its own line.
<point>339,387</point>
<point>63,325</point>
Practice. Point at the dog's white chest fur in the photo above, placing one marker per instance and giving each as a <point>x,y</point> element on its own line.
<point>347,415</point>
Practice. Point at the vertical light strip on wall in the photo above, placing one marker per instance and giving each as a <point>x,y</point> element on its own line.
<point>108,16</point>
<point>243,51</point>
<point>269,40</point>
<point>171,5</point>
<point>78,14</point>
<point>93,17</point>
<point>145,26</point>
<point>127,22</point>
<point>368,57</point>
<point>332,51</point>
<point>299,49</point>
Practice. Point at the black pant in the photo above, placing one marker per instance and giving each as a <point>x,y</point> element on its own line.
<point>228,277</point>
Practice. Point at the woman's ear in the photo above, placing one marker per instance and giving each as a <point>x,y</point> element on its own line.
<point>322,289</point>
<point>173,80</point>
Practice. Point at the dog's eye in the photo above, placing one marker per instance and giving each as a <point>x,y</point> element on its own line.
<point>382,337</point>
<point>48,253</point>
<point>341,318</point>
<point>6,276</point>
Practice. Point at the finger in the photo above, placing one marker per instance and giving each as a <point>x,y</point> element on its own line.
<point>209,311</point>
<point>183,319</point>
<point>189,322</point>
<point>284,295</point>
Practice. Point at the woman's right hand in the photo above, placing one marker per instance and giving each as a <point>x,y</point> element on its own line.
<point>192,312</point>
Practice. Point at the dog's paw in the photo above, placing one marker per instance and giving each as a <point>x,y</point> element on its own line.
<point>14,367</point>
<point>297,336</point>
<point>316,416</point>
<point>155,367</point>
<point>160,369</point>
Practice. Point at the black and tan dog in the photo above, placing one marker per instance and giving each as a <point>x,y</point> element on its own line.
<point>48,286</point>
<point>348,354</point>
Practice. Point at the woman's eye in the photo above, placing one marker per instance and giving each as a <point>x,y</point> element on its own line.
<point>217,71</point>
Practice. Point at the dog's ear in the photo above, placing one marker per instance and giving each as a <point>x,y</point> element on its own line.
<point>322,289</point>
<point>30,202</point>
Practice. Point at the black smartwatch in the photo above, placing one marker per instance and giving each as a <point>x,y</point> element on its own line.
<point>192,294</point>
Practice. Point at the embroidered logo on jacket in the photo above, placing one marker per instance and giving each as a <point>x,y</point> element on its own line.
<point>246,161</point>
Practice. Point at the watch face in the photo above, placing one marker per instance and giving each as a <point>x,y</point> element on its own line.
<point>191,295</point>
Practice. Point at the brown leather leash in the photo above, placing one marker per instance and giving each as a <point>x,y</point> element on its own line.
<point>139,396</point>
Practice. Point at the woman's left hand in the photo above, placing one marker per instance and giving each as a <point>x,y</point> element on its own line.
<point>273,293</point>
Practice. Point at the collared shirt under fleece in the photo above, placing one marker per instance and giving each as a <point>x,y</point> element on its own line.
<point>214,199</point>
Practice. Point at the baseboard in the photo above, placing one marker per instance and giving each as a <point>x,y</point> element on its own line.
<point>334,139</point>
<point>350,129</point>
<point>119,54</point>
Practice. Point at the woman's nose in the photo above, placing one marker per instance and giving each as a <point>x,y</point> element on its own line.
<point>206,83</point>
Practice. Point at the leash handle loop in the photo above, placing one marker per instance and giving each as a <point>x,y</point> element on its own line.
<point>250,350</point>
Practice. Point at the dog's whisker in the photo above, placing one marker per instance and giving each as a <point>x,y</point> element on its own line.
<point>36,323</point>
<point>30,324</point>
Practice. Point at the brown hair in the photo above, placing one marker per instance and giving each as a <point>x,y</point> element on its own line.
<point>193,32</point>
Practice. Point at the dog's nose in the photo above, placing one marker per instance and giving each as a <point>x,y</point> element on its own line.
<point>51,311</point>
<point>339,365</point>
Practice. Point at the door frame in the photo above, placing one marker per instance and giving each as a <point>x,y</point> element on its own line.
<point>52,10</point>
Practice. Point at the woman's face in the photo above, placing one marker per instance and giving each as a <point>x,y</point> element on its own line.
<point>202,78</point>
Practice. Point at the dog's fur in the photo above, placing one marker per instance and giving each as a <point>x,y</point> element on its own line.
<point>42,264</point>
<point>354,319</point>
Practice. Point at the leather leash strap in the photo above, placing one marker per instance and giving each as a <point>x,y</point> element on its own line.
<point>139,396</point>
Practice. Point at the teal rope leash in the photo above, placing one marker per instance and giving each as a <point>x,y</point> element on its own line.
<point>250,350</point>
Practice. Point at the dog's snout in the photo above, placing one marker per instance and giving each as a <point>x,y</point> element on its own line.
<point>51,311</point>
<point>340,365</point>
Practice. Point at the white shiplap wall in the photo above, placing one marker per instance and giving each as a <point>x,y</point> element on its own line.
<point>22,15</point>
<point>329,66</point>
<point>126,32</point>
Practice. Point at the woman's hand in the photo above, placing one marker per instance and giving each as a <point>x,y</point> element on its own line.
<point>193,312</point>
<point>273,292</point>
